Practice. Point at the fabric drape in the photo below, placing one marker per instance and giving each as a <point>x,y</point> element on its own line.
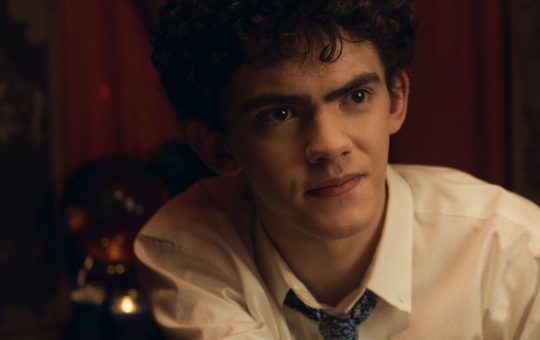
<point>112,95</point>
<point>458,107</point>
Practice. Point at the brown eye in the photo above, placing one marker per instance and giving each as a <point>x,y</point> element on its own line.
<point>275,115</point>
<point>358,96</point>
<point>281,114</point>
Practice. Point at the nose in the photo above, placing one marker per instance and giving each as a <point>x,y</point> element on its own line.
<point>326,138</point>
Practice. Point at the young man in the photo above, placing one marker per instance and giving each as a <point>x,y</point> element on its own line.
<point>308,233</point>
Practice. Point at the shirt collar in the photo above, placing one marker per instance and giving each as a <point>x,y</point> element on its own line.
<point>276,272</point>
<point>390,273</point>
<point>391,269</point>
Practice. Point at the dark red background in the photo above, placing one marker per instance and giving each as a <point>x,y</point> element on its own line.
<point>458,111</point>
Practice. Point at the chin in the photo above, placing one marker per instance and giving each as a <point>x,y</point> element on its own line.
<point>336,229</point>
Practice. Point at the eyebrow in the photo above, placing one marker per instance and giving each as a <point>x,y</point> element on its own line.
<point>268,99</point>
<point>271,98</point>
<point>358,81</point>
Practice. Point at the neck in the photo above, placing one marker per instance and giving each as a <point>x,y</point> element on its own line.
<point>330,269</point>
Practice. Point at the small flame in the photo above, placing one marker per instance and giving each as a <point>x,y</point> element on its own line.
<point>128,305</point>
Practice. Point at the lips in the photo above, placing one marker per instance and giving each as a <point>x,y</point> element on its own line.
<point>334,187</point>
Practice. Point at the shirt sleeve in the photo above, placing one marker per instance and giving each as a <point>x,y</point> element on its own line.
<point>530,271</point>
<point>514,303</point>
<point>200,292</point>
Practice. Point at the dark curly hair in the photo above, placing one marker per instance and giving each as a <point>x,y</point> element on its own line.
<point>199,44</point>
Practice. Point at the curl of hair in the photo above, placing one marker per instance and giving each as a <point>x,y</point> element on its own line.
<point>199,44</point>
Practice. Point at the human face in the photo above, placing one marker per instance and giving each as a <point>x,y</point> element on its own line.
<point>312,140</point>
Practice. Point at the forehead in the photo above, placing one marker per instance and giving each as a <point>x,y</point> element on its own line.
<point>306,76</point>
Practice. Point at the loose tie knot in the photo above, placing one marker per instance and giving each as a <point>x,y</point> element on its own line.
<point>332,327</point>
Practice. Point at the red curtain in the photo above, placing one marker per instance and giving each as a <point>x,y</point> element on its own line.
<point>457,114</point>
<point>458,109</point>
<point>113,103</point>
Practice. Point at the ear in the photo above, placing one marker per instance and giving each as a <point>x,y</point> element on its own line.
<point>212,148</point>
<point>399,101</point>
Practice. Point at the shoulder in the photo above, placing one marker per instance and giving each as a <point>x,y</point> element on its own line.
<point>212,210</point>
<point>481,234</point>
<point>441,190</point>
<point>196,266</point>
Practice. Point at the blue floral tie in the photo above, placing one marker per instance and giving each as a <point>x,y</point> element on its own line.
<point>332,327</point>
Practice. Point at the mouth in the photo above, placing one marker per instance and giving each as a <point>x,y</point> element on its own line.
<point>334,187</point>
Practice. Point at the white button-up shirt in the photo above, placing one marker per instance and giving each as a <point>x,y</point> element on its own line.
<point>457,259</point>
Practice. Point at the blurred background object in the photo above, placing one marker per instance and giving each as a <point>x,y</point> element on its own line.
<point>78,95</point>
<point>32,289</point>
<point>524,85</point>
<point>104,205</point>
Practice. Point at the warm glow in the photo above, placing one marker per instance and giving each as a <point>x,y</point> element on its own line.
<point>89,293</point>
<point>76,218</point>
<point>120,269</point>
<point>110,269</point>
<point>119,195</point>
<point>105,91</point>
<point>115,250</point>
<point>127,305</point>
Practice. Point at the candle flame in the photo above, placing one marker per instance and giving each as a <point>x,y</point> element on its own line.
<point>128,305</point>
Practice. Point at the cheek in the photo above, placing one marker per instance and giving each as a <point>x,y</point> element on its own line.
<point>256,152</point>
<point>273,169</point>
<point>372,139</point>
